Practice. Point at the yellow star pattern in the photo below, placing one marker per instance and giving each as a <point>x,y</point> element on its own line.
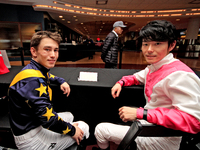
<point>27,103</point>
<point>66,131</point>
<point>42,89</point>
<point>49,113</point>
<point>50,93</point>
<point>60,118</point>
<point>51,76</point>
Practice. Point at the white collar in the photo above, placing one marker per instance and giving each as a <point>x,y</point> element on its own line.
<point>115,33</point>
<point>166,60</point>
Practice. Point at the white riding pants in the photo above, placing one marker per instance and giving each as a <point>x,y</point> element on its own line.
<point>108,132</point>
<point>43,139</point>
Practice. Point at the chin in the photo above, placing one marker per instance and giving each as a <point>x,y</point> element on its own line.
<point>150,61</point>
<point>50,66</point>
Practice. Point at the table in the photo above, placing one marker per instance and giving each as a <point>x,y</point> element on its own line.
<point>88,101</point>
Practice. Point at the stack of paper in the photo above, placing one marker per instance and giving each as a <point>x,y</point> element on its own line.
<point>88,76</point>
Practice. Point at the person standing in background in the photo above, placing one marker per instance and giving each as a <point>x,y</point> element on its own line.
<point>110,48</point>
<point>89,42</point>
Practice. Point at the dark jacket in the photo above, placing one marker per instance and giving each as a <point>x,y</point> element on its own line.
<point>110,49</point>
<point>30,101</point>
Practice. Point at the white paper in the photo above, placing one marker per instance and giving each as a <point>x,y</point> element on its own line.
<point>88,76</point>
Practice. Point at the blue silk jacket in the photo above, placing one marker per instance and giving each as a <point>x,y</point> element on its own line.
<point>30,99</point>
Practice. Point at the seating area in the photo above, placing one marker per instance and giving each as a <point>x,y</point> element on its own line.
<point>83,97</point>
<point>189,141</point>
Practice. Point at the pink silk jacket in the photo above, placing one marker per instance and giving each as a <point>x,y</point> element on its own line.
<point>172,92</point>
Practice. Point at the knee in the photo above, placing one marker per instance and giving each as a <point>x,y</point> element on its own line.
<point>99,130</point>
<point>66,116</point>
<point>85,127</point>
<point>71,116</point>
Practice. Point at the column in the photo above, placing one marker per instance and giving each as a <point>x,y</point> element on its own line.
<point>191,35</point>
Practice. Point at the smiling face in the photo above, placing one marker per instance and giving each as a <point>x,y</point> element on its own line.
<point>154,51</point>
<point>46,53</point>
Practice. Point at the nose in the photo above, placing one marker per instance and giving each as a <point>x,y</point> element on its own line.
<point>150,48</point>
<point>52,54</point>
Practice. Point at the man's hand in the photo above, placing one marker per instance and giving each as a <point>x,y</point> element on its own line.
<point>78,136</point>
<point>128,113</point>
<point>65,88</point>
<point>116,89</point>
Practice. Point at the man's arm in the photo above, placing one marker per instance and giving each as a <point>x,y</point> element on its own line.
<point>64,86</point>
<point>182,89</point>
<point>38,101</point>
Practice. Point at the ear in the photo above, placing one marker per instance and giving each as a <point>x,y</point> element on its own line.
<point>172,45</point>
<point>33,52</point>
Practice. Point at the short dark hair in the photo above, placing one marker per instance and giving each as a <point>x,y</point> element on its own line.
<point>38,36</point>
<point>158,30</point>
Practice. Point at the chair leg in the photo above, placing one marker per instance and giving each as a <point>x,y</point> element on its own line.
<point>83,144</point>
<point>133,146</point>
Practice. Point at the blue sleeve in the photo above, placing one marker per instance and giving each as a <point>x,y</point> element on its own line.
<point>56,80</point>
<point>37,95</point>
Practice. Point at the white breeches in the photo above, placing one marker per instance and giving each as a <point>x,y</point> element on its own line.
<point>41,138</point>
<point>106,132</point>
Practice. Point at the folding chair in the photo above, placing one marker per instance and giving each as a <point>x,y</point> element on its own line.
<point>189,141</point>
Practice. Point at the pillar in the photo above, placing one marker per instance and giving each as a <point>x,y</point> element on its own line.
<point>191,35</point>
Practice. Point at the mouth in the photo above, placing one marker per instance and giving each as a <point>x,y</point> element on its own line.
<point>52,61</point>
<point>150,56</point>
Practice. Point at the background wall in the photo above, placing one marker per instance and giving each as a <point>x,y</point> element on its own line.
<point>19,13</point>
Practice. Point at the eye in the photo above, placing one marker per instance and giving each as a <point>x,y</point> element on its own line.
<point>158,43</point>
<point>144,44</point>
<point>47,49</point>
<point>56,50</point>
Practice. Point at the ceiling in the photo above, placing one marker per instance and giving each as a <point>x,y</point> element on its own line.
<point>88,17</point>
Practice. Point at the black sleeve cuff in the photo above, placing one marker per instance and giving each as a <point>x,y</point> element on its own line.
<point>145,114</point>
<point>73,131</point>
<point>123,82</point>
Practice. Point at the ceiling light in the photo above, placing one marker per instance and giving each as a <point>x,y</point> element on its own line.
<point>68,21</point>
<point>178,19</point>
<point>63,19</point>
<point>76,19</point>
<point>74,16</point>
<point>60,16</point>
<point>101,2</point>
<point>81,23</point>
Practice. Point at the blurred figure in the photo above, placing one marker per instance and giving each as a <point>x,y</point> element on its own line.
<point>89,42</point>
<point>110,48</point>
